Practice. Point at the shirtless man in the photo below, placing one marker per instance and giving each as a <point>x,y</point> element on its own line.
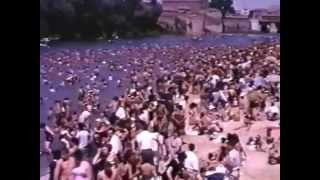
<point>64,166</point>
<point>148,171</point>
<point>109,173</point>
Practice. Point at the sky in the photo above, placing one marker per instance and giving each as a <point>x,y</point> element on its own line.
<point>253,4</point>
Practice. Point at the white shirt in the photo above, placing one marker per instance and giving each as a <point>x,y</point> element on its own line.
<point>214,79</point>
<point>116,144</point>
<point>121,113</point>
<point>158,139</point>
<point>83,116</point>
<point>83,137</point>
<point>234,158</point>
<point>192,161</point>
<point>145,139</point>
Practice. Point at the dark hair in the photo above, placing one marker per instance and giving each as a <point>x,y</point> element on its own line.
<point>210,155</point>
<point>78,155</point>
<point>75,141</point>
<point>193,105</point>
<point>115,98</point>
<point>181,157</point>
<point>233,139</point>
<point>192,147</point>
<point>81,126</point>
<point>64,151</point>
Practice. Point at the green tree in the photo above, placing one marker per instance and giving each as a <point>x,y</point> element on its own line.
<point>90,19</point>
<point>225,6</point>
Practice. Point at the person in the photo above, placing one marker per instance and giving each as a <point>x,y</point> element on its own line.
<point>82,169</point>
<point>74,145</point>
<point>116,144</point>
<point>148,171</point>
<point>108,173</point>
<point>46,135</point>
<point>191,162</point>
<point>174,167</point>
<point>273,112</point>
<point>145,141</point>
<point>83,136</point>
<point>101,158</point>
<point>85,114</point>
<point>233,163</point>
<point>64,166</point>
<point>121,113</point>
<point>157,146</point>
<point>56,147</point>
<point>176,143</point>
<point>125,167</point>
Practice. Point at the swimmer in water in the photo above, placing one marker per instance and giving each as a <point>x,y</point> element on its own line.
<point>119,84</point>
<point>52,90</point>
<point>110,78</point>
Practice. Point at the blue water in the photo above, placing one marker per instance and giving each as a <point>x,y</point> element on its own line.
<point>165,41</point>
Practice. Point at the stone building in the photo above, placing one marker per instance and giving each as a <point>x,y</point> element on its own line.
<point>265,20</point>
<point>213,21</point>
<point>190,17</point>
<point>236,24</point>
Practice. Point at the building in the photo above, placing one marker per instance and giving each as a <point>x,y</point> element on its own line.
<point>213,21</point>
<point>194,17</point>
<point>236,24</point>
<point>190,17</point>
<point>265,20</point>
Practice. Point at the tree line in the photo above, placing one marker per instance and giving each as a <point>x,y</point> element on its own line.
<point>92,19</point>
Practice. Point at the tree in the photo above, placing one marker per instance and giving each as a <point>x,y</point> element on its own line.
<point>90,19</point>
<point>225,6</point>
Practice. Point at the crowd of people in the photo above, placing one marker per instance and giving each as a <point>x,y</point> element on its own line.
<point>169,93</point>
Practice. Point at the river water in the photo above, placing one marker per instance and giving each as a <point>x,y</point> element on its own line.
<point>168,41</point>
<point>111,53</point>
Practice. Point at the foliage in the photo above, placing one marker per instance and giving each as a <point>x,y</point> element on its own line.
<point>91,19</point>
<point>225,6</point>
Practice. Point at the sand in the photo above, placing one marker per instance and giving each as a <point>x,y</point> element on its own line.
<point>256,166</point>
